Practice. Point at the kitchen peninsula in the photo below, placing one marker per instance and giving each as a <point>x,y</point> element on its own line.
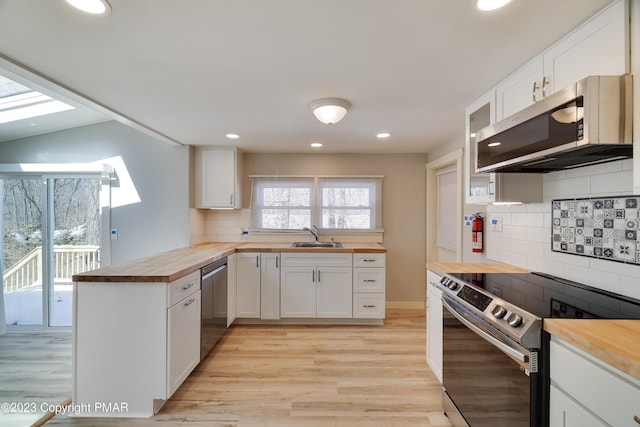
<point>137,325</point>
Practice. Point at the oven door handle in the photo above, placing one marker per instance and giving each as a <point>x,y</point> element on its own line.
<point>504,347</point>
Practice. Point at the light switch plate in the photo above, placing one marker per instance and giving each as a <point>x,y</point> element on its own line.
<point>114,234</point>
<point>496,224</point>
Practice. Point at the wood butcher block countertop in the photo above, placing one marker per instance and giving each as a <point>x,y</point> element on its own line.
<point>441,268</point>
<point>171,265</point>
<point>616,342</point>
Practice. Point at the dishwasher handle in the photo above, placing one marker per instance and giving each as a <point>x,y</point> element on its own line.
<point>211,273</point>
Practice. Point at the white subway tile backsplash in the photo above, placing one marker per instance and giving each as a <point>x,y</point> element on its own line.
<point>620,183</point>
<point>529,248</point>
<point>596,278</point>
<point>604,168</point>
<point>546,266</point>
<point>539,234</point>
<point>507,257</point>
<point>576,187</point>
<point>535,219</point>
<point>514,232</point>
<point>630,286</point>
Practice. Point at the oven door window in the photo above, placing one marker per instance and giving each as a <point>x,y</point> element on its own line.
<point>487,386</point>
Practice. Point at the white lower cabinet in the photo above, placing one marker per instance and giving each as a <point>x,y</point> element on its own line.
<point>316,285</point>
<point>434,324</point>
<point>183,340</point>
<point>587,392</point>
<point>134,344</point>
<point>369,285</point>
<point>248,285</point>
<point>270,286</point>
<point>232,294</point>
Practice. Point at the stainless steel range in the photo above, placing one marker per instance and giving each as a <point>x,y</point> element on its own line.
<point>495,352</point>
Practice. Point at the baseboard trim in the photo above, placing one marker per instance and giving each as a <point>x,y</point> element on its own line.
<point>405,305</point>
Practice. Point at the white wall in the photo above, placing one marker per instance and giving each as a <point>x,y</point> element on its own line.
<point>160,173</point>
<point>526,237</point>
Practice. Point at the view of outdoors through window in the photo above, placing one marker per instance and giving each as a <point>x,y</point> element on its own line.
<point>28,270</point>
<point>286,208</point>
<point>346,207</point>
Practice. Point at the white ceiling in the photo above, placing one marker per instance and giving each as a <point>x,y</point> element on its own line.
<point>194,70</point>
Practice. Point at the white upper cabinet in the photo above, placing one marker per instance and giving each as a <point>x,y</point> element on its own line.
<point>483,188</point>
<point>598,47</point>
<point>217,178</point>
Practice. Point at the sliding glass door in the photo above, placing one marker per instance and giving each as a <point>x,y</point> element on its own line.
<point>51,230</point>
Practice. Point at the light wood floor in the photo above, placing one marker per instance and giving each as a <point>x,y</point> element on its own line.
<point>35,368</point>
<point>306,376</point>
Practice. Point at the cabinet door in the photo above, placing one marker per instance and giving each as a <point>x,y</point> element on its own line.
<point>298,292</point>
<point>334,292</point>
<point>565,412</point>
<point>248,284</point>
<point>183,340</point>
<point>216,179</point>
<point>270,286</point>
<point>434,330</point>
<point>520,90</point>
<point>479,187</point>
<point>232,303</point>
<point>598,47</point>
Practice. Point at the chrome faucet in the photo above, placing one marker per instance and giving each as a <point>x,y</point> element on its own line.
<point>315,233</point>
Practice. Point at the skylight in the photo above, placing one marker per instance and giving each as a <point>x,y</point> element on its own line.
<point>19,102</point>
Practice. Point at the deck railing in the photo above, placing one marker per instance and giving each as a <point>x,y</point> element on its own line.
<point>67,261</point>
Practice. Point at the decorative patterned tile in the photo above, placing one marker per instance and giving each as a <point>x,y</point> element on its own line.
<point>606,228</point>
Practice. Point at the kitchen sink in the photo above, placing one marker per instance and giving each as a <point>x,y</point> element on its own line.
<point>316,245</point>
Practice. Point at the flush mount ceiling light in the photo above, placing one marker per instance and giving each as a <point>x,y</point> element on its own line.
<point>94,7</point>
<point>491,4</point>
<point>330,110</point>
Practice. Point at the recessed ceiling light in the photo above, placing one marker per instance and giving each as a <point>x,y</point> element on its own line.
<point>316,144</point>
<point>232,136</point>
<point>383,135</point>
<point>94,7</point>
<point>491,4</point>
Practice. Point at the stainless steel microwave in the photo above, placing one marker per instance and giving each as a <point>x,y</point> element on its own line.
<point>587,123</point>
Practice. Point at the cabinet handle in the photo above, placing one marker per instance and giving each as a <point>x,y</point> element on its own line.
<point>185,287</point>
<point>191,301</point>
<point>368,260</point>
<point>545,82</point>
<point>313,276</point>
<point>257,258</point>
<point>318,276</point>
<point>636,418</point>
<point>369,280</point>
<point>533,91</point>
<point>369,306</point>
<point>277,261</point>
<point>231,199</point>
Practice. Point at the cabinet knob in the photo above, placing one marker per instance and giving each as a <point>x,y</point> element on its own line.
<point>636,418</point>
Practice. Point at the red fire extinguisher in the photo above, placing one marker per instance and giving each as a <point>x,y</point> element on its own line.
<point>476,233</point>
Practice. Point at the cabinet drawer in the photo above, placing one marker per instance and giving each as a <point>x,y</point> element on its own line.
<point>290,259</point>
<point>183,287</point>
<point>368,260</point>
<point>603,392</point>
<point>368,306</point>
<point>368,279</point>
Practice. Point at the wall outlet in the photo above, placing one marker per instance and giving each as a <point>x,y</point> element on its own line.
<point>496,224</point>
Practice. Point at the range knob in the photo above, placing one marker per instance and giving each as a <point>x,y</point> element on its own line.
<point>499,311</point>
<point>514,320</point>
<point>453,285</point>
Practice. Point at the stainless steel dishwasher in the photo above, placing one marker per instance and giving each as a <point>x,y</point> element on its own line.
<point>214,305</point>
